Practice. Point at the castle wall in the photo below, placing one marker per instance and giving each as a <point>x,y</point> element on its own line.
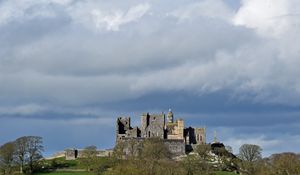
<point>72,154</point>
<point>134,132</point>
<point>176,147</point>
<point>175,130</point>
<point>178,138</point>
<point>153,126</point>
<point>200,135</point>
<point>133,146</point>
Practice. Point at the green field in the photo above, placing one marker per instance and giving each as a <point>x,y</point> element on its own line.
<point>86,173</point>
<point>65,173</point>
<point>70,167</point>
<point>225,173</point>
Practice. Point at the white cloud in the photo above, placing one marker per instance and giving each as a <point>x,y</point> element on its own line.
<point>152,53</point>
<point>282,143</point>
<point>114,20</point>
<point>207,9</point>
<point>270,17</point>
<point>109,19</point>
<point>27,109</point>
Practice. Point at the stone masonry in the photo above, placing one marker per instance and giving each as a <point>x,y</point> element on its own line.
<point>178,139</point>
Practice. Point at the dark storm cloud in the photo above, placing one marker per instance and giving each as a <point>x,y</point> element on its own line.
<point>216,63</point>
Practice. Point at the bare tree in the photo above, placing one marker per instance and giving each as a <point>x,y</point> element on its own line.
<point>250,153</point>
<point>203,151</point>
<point>286,163</point>
<point>35,148</point>
<point>21,149</point>
<point>7,157</point>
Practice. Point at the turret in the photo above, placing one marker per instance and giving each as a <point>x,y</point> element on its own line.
<point>170,116</point>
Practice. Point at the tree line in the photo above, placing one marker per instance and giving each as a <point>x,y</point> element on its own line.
<point>252,163</point>
<point>22,153</point>
<point>152,157</point>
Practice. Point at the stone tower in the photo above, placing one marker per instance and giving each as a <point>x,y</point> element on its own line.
<point>122,126</point>
<point>153,125</point>
<point>170,116</point>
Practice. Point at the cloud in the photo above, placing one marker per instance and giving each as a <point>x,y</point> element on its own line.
<point>96,16</point>
<point>84,60</point>
<point>270,18</point>
<point>198,51</point>
<point>269,145</point>
<point>115,20</point>
<point>22,11</point>
<point>27,109</point>
<point>208,9</point>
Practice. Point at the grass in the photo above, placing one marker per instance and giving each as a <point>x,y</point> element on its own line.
<point>68,167</point>
<point>224,173</point>
<point>64,173</point>
<point>86,173</point>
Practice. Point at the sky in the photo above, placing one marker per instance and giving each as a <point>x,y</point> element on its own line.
<point>69,68</point>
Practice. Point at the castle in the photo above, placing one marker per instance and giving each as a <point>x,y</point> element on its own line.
<point>175,135</point>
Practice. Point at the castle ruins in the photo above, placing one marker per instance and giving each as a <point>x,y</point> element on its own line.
<point>178,138</point>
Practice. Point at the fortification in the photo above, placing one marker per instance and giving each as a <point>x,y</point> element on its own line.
<point>72,153</point>
<point>178,139</point>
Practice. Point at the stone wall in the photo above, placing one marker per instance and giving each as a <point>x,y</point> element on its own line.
<point>176,147</point>
<point>153,125</point>
<point>156,125</point>
<point>134,146</point>
<point>200,135</point>
<point>72,154</point>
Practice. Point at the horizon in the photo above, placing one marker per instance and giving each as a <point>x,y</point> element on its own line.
<point>69,68</point>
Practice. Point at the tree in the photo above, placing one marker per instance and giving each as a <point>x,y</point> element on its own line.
<point>286,163</point>
<point>250,153</point>
<point>203,151</point>
<point>154,151</point>
<point>119,151</point>
<point>34,149</point>
<point>89,156</point>
<point>196,165</point>
<point>21,150</point>
<point>250,156</point>
<point>134,148</point>
<point>7,157</point>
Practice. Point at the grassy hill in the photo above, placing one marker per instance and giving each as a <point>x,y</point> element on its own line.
<point>60,166</point>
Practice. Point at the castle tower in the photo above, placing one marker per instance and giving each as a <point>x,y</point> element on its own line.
<point>180,125</point>
<point>170,116</point>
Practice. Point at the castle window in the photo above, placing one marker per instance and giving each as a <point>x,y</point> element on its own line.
<point>200,138</point>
